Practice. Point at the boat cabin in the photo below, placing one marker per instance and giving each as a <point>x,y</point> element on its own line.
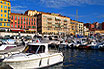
<point>36,48</point>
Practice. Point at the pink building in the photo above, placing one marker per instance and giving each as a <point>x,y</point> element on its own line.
<point>23,23</point>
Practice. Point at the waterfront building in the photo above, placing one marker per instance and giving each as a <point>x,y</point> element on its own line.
<point>90,26</point>
<point>32,12</point>
<point>86,31</point>
<point>79,27</point>
<point>74,29</point>
<point>51,23</point>
<point>96,25</point>
<point>102,25</point>
<point>99,31</point>
<point>5,10</point>
<point>23,23</point>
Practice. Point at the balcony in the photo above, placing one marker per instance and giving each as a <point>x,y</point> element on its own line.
<point>65,20</point>
<point>49,22</point>
<point>57,19</point>
<point>49,18</point>
<point>49,26</point>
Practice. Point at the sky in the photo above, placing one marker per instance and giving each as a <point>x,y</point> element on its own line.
<point>89,11</point>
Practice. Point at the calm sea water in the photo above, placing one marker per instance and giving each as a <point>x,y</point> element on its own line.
<point>81,59</point>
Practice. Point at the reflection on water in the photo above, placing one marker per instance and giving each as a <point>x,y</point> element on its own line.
<point>81,59</point>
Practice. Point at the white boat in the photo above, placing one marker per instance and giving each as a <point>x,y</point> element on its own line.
<point>8,49</point>
<point>36,55</point>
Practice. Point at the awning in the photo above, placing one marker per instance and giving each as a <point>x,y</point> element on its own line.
<point>17,30</point>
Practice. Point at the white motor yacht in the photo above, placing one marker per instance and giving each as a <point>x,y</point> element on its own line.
<point>35,55</point>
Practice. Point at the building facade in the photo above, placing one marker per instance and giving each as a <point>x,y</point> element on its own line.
<point>24,23</point>
<point>102,25</point>
<point>78,27</point>
<point>74,29</point>
<point>51,23</point>
<point>96,25</point>
<point>5,10</point>
<point>86,31</point>
<point>90,26</point>
<point>32,12</point>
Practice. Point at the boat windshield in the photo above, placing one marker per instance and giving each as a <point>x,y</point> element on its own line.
<point>35,49</point>
<point>53,48</point>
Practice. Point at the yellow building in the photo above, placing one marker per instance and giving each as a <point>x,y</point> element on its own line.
<point>73,29</point>
<point>99,31</point>
<point>5,10</point>
<point>77,27</point>
<point>51,23</point>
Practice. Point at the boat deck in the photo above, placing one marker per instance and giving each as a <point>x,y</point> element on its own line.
<point>17,49</point>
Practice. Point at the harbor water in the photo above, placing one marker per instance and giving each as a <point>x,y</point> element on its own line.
<point>81,59</point>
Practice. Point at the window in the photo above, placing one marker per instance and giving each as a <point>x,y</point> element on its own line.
<point>18,22</point>
<point>1,15</point>
<point>8,24</point>
<point>5,7</point>
<point>8,3</point>
<point>5,19</point>
<point>35,49</point>
<point>15,26</point>
<point>21,26</point>
<point>11,17</point>
<point>5,11</point>
<point>8,20</point>
<point>15,17</point>
<point>5,15</point>
<point>8,7</point>
<point>11,25</point>
<point>27,23</point>
<point>1,19</point>
<point>24,18</point>
<point>8,11</point>
<point>24,27</point>
<point>4,2</point>
<point>29,26</point>
<point>33,27</point>
<point>1,6</point>
<point>24,22</point>
<point>21,21</point>
<point>18,26</point>
<point>0,1</point>
<point>4,24</point>
<point>0,24</point>
<point>1,10</point>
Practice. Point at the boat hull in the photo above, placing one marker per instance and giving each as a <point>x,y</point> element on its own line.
<point>36,63</point>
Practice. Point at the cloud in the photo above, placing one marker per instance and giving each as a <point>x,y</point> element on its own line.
<point>18,9</point>
<point>65,3</point>
<point>21,7</point>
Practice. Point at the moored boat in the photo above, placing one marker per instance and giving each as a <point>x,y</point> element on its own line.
<point>35,55</point>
